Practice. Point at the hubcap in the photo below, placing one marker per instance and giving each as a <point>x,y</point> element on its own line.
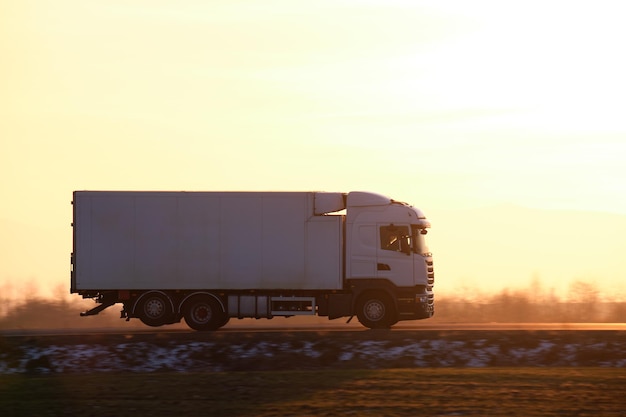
<point>374,310</point>
<point>202,313</point>
<point>154,308</point>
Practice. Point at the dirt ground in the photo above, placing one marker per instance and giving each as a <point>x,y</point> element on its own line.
<point>519,391</point>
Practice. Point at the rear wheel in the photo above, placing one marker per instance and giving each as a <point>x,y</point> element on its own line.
<point>155,309</point>
<point>376,311</point>
<point>204,313</point>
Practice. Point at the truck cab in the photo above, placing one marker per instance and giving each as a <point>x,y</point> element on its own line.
<point>387,256</point>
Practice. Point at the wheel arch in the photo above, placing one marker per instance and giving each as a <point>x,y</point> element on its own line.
<point>361,287</point>
<point>181,305</point>
<point>143,295</point>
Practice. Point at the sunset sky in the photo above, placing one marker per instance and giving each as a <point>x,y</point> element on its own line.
<point>448,105</point>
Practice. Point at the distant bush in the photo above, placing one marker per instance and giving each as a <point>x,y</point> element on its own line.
<point>40,313</point>
<point>583,305</point>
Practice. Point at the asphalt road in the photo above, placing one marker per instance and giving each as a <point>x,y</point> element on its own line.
<point>313,325</point>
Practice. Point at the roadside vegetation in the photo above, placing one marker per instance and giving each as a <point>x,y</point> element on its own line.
<point>582,304</point>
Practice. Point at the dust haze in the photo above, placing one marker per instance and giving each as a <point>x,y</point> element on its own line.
<point>24,308</point>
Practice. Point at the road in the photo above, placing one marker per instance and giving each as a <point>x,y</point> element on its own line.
<point>300,325</point>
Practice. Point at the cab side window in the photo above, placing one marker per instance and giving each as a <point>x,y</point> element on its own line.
<point>395,238</point>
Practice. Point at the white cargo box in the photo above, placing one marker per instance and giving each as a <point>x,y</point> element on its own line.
<point>205,240</point>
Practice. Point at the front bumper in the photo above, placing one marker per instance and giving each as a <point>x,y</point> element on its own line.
<point>416,306</point>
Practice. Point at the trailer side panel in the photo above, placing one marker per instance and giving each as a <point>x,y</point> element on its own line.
<point>204,240</point>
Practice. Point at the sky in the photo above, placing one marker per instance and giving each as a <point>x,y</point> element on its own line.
<point>452,106</point>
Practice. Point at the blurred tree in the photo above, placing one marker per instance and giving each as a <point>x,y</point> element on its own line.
<point>583,299</point>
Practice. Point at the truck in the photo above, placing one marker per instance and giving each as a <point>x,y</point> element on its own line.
<point>207,257</point>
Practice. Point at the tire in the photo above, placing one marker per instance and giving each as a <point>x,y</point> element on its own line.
<point>376,311</point>
<point>155,309</point>
<point>224,321</point>
<point>204,313</point>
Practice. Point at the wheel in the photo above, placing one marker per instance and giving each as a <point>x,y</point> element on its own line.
<point>224,321</point>
<point>155,309</point>
<point>375,310</point>
<point>204,313</point>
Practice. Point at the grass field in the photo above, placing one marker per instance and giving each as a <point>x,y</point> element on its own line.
<point>399,392</point>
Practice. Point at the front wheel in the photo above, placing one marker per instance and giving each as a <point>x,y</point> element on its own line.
<point>376,311</point>
<point>204,313</point>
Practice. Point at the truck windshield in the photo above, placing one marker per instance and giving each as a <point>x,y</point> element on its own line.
<point>419,240</point>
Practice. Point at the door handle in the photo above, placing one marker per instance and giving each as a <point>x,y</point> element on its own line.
<point>384,267</point>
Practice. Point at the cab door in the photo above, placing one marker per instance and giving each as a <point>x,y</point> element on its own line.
<point>394,255</point>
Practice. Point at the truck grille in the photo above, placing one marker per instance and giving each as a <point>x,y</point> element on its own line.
<point>431,272</point>
<point>431,300</point>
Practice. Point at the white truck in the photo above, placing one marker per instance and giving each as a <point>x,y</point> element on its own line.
<point>211,256</point>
